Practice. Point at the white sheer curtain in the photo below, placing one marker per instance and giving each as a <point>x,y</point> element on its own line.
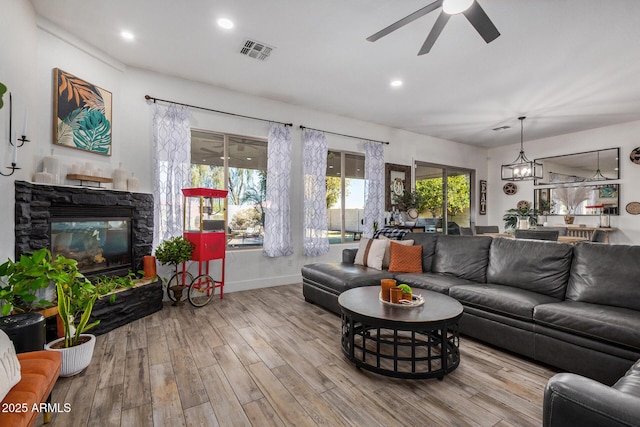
<point>171,169</point>
<point>314,168</point>
<point>374,186</point>
<point>277,222</point>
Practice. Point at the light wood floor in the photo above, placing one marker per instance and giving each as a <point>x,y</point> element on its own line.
<point>268,358</point>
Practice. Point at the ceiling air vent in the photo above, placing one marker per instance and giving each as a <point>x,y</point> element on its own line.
<point>256,50</point>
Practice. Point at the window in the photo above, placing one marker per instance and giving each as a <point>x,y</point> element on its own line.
<point>345,196</point>
<point>237,164</point>
<point>454,192</point>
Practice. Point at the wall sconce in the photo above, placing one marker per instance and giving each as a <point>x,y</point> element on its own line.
<point>21,140</point>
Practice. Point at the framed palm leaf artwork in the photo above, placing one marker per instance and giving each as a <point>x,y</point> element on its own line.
<point>82,114</point>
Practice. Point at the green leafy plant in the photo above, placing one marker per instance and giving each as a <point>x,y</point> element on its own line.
<point>22,279</point>
<point>512,217</point>
<point>3,89</point>
<point>107,284</point>
<point>76,296</point>
<point>174,251</point>
<point>410,200</point>
<point>406,289</point>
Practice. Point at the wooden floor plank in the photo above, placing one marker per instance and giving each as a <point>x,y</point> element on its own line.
<point>137,384</point>
<point>201,415</point>
<point>227,408</point>
<point>107,406</point>
<point>267,358</point>
<point>260,413</point>
<point>139,416</point>
<point>283,402</point>
<point>167,408</point>
<point>243,385</point>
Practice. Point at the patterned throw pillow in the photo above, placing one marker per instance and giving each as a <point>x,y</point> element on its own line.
<point>387,253</point>
<point>9,365</point>
<point>405,259</point>
<point>370,252</point>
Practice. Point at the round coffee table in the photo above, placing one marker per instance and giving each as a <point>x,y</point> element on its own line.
<point>402,342</point>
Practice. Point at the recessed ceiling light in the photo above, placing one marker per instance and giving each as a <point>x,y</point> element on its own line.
<point>225,23</point>
<point>396,83</point>
<point>249,158</point>
<point>127,35</point>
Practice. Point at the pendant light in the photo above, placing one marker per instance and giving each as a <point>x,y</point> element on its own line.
<point>598,175</point>
<point>521,169</point>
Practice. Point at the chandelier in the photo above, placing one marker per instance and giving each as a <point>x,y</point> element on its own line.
<point>521,169</point>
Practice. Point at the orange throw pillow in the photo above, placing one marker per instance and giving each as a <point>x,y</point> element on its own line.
<point>405,259</point>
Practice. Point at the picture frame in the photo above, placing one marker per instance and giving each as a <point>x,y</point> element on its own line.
<point>397,179</point>
<point>82,114</point>
<point>607,192</point>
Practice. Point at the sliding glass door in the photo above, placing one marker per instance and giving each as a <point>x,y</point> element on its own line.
<point>447,197</point>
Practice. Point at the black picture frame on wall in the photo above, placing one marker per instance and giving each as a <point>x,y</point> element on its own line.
<point>397,179</point>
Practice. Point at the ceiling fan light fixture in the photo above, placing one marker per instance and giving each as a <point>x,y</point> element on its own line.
<point>521,169</point>
<point>453,7</point>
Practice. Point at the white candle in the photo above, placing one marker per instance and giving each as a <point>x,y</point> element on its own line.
<point>15,152</point>
<point>24,125</point>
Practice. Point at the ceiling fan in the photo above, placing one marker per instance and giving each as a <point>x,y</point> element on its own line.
<point>469,8</point>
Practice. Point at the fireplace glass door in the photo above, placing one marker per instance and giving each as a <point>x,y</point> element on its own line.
<point>98,244</point>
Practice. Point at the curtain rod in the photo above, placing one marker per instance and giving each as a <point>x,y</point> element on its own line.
<point>342,134</point>
<point>154,99</point>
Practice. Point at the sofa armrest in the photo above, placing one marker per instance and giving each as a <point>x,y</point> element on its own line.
<point>573,400</point>
<point>349,255</point>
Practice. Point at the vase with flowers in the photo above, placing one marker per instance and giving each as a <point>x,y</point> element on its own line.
<point>569,199</point>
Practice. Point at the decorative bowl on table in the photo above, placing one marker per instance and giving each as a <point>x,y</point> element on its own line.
<point>416,301</point>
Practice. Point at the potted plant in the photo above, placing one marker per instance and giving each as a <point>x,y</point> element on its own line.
<point>410,202</point>
<point>174,251</point>
<point>23,283</point>
<point>76,296</point>
<point>512,217</point>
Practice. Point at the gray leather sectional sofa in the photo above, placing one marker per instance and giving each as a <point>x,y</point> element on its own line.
<point>573,307</point>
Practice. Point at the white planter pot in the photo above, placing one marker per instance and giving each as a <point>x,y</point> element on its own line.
<point>74,359</point>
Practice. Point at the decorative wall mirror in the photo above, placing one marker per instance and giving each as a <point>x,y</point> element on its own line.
<point>590,166</point>
<point>578,200</point>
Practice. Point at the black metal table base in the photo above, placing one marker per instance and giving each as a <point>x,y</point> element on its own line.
<point>401,353</point>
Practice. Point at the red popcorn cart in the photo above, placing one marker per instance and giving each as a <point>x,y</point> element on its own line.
<point>205,226</point>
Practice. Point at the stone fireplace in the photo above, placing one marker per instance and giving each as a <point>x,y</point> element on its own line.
<point>106,231</point>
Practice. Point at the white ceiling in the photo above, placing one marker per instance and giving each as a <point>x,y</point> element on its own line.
<point>569,65</point>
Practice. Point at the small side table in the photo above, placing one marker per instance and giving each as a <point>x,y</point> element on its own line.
<point>26,331</point>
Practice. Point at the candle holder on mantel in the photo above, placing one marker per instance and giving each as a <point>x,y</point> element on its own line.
<point>22,139</point>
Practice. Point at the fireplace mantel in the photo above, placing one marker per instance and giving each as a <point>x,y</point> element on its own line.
<point>32,214</point>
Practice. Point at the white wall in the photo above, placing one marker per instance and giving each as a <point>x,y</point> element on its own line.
<point>17,72</point>
<point>624,136</point>
<point>132,136</point>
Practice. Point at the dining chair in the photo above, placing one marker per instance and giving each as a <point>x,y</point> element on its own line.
<point>466,231</point>
<point>599,236</point>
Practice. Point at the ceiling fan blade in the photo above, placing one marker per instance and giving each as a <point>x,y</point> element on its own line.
<point>434,33</point>
<point>406,20</point>
<point>481,22</point>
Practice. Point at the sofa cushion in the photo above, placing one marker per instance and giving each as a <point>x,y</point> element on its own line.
<point>371,252</point>
<point>340,276</point>
<point>463,256</point>
<point>9,365</point>
<point>432,281</point>
<point>387,253</point>
<point>428,242</point>
<point>605,274</point>
<point>537,266</point>
<point>407,259</point>
<point>505,300</point>
<point>600,322</point>
<point>630,383</point>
